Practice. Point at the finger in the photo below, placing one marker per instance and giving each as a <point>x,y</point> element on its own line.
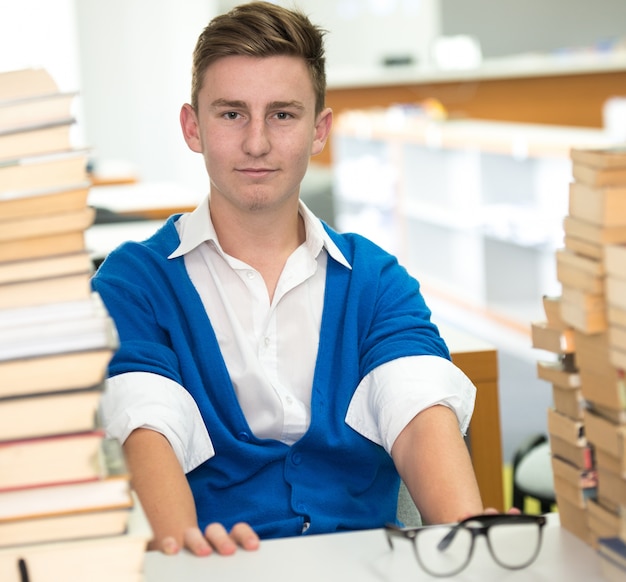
<point>243,535</point>
<point>218,538</point>
<point>169,546</point>
<point>490,511</point>
<point>196,543</point>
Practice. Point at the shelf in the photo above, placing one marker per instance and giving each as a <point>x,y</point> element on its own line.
<point>472,208</point>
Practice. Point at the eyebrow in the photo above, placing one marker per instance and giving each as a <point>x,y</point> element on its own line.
<point>235,104</point>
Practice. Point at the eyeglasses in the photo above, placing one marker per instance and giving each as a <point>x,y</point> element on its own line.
<point>513,540</point>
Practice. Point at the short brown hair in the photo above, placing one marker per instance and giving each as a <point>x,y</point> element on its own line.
<point>261,29</point>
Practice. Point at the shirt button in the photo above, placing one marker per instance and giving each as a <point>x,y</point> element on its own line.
<point>266,341</point>
<point>289,400</point>
<point>250,274</point>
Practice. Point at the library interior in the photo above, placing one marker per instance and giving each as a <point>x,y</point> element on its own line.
<point>483,144</point>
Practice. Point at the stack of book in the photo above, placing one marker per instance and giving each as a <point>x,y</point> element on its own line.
<point>67,511</point>
<point>572,459</point>
<point>592,271</point>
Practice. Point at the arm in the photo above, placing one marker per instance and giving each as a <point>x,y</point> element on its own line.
<point>433,461</point>
<point>167,499</point>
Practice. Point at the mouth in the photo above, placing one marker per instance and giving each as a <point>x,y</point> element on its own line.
<point>256,173</point>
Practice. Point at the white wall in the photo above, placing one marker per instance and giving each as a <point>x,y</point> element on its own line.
<point>43,33</point>
<point>361,33</point>
<point>40,33</point>
<point>135,64</point>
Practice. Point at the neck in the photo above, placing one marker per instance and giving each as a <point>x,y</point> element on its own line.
<point>263,239</point>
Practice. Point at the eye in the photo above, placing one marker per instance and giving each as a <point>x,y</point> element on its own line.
<point>231,115</point>
<point>283,115</point>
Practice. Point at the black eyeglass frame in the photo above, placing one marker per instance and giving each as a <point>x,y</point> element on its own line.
<point>486,521</point>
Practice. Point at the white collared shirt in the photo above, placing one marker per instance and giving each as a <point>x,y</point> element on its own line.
<point>271,358</point>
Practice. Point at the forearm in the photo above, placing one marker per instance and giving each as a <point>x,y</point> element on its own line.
<point>432,459</point>
<point>161,485</point>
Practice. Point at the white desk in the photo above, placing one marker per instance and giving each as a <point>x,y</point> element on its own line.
<point>101,239</point>
<point>365,557</point>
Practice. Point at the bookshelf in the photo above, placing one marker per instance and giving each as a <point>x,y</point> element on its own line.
<point>473,208</point>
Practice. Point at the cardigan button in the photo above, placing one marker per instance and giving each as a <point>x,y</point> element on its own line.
<point>296,459</point>
<point>243,437</point>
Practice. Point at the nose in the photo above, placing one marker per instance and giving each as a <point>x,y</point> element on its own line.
<point>256,141</point>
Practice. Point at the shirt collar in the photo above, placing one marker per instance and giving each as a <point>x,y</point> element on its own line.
<point>196,228</point>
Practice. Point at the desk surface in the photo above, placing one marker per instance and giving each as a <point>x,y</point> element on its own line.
<point>365,556</point>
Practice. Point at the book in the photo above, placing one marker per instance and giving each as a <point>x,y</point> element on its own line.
<point>42,246</point>
<point>557,373</point>
<point>611,488</point>
<point>49,414</point>
<point>615,291</point>
<point>573,518</point>
<point>552,310</point>
<point>577,485</point>
<point>68,526</point>
<point>612,553</point>
<point>617,337</point>
<point>599,177</point>
<point>604,388</point>
<point>53,289</point>
<point>51,459</point>
<point>604,157</point>
<point>34,140</point>
<point>26,82</point>
<point>604,206</point>
<point>584,319</point>
<point>583,247</point>
<point>98,559</point>
<point>579,272</point>
<point>614,260</point>
<point>73,511</point>
<point>592,350</point>
<point>568,429</point>
<point>616,315</point>
<point>568,401</point>
<point>94,332</point>
<point>46,224</point>
<point>582,300</point>
<point>26,112</point>
<point>44,201</point>
<point>603,521</point>
<point>62,371</point>
<point>54,170</point>
<point>579,455</point>
<point>604,434</point>
<point>111,490</point>
<point>593,233</point>
<point>552,339</point>
<point>45,267</point>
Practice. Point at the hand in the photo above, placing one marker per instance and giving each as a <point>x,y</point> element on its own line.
<point>215,538</point>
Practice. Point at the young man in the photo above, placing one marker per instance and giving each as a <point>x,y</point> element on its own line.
<point>274,377</point>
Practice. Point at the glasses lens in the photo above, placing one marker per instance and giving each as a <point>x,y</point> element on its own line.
<point>447,561</point>
<point>515,545</point>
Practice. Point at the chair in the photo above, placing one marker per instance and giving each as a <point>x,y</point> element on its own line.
<point>532,473</point>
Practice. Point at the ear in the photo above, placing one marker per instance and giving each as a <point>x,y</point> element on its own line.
<point>191,128</point>
<point>322,130</point>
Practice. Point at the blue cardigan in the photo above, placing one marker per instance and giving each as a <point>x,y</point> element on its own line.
<point>333,477</point>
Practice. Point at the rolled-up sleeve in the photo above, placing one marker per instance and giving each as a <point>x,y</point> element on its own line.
<point>144,400</point>
<point>392,394</point>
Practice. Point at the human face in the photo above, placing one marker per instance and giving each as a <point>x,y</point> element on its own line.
<point>256,129</point>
